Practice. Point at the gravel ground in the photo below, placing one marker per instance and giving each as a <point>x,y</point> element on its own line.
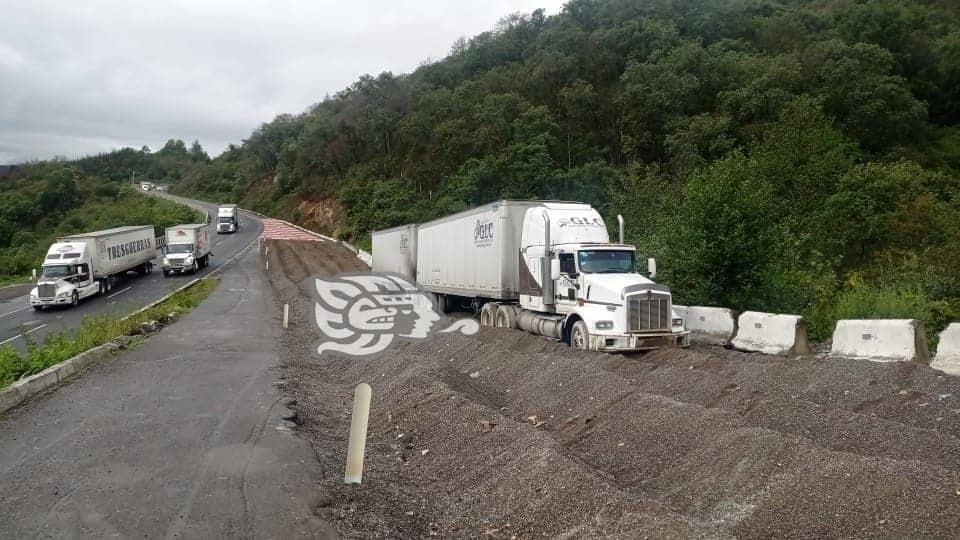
<point>505,434</point>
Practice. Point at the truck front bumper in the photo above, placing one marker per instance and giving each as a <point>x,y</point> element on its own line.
<point>639,342</point>
<point>50,301</point>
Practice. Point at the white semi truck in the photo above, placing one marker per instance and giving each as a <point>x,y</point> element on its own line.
<point>188,248</point>
<point>228,218</point>
<point>545,267</point>
<point>84,265</point>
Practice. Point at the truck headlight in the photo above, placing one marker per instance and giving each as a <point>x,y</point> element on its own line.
<point>678,322</point>
<point>604,325</point>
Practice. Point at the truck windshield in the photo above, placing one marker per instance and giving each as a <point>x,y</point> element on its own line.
<point>58,271</point>
<point>606,261</point>
<point>179,248</point>
<point>226,219</point>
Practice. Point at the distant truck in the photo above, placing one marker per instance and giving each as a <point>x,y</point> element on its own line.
<point>147,186</point>
<point>545,267</point>
<point>83,265</point>
<point>188,248</point>
<point>228,218</point>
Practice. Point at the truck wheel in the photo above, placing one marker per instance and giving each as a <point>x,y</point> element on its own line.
<point>579,336</point>
<point>38,308</point>
<point>506,317</point>
<point>195,268</point>
<point>166,273</point>
<point>441,303</point>
<point>75,299</point>
<point>488,314</point>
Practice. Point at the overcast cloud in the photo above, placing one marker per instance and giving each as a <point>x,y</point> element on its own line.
<point>83,77</point>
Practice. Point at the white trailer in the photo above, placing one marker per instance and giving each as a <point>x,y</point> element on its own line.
<point>548,268</point>
<point>188,248</point>
<point>396,250</point>
<point>84,265</point>
<point>228,218</point>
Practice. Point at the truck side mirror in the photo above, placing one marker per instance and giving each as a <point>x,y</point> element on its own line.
<point>554,269</point>
<point>652,267</point>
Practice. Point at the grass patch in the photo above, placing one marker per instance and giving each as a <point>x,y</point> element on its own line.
<point>93,332</point>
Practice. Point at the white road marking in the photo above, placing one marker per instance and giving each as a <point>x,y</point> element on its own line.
<point>218,243</point>
<point>15,311</point>
<point>120,292</point>
<point>30,331</point>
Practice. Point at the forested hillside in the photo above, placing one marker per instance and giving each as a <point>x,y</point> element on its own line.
<point>41,201</point>
<point>792,156</point>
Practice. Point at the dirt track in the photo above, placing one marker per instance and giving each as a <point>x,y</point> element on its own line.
<point>698,443</point>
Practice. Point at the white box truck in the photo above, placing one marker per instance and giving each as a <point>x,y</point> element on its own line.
<point>228,218</point>
<point>84,265</point>
<point>187,248</point>
<point>545,267</point>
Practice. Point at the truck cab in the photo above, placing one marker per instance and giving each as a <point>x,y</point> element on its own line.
<point>65,277</point>
<point>228,219</point>
<point>594,287</point>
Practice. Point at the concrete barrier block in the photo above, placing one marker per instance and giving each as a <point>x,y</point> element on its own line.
<point>771,333</point>
<point>712,325</point>
<point>948,351</point>
<point>881,340</point>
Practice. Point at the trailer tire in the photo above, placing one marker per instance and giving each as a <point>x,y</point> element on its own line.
<point>506,317</point>
<point>488,314</point>
<point>580,336</point>
<point>441,303</point>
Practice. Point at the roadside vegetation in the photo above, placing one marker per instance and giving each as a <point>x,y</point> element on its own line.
<point>793,156</point>
<point>93,332</point>
<point>42,201</point>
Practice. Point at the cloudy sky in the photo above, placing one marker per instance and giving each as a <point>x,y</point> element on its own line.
<point>80,77</point>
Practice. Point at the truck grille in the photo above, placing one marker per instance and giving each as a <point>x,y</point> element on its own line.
<point>649,312</point>
<point>47,290</point>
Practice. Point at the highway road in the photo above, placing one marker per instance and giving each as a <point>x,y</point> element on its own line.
<point>18,319</point>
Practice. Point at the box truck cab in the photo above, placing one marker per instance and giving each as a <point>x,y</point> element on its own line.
<point>84,265</point>
<point>545,267</point>
<point>228,218</point>
<point>187,248</point>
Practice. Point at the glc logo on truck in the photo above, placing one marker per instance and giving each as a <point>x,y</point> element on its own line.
<point>483,232</point>
<point>404,242</point>
<point>362,314</point>
<point>581,222</point>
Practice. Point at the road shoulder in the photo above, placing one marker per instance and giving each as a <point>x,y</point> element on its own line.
<point>183,436</point>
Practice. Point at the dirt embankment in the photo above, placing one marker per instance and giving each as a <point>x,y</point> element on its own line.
<point>505,434</point>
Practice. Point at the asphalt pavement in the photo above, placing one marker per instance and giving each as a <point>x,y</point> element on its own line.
<point>20,322</point>
<point>181,437</point>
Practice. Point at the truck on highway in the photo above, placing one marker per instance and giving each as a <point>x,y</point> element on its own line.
<point>546,267</point>
<point>228,218</point>
<point>187,248</point>
<point>84,265</point>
